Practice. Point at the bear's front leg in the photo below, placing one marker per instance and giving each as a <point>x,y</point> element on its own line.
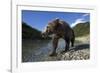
<point>55,44</point>
<point>67,41</point>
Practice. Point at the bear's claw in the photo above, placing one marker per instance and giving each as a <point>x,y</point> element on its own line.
<point>53,54</point>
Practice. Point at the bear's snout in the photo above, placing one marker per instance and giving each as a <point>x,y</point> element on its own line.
<point>44,34</point>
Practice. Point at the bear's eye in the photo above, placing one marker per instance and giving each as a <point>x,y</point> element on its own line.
<point>48,27</point>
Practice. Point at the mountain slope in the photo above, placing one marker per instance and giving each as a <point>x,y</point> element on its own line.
<point>82,29</point>
<point>30,33</point>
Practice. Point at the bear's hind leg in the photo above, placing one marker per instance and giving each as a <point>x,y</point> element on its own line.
<point>72,41</point>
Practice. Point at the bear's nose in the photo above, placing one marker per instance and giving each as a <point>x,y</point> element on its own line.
<point>43,34</point>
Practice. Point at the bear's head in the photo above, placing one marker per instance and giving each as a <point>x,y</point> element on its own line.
<point>51,27</point>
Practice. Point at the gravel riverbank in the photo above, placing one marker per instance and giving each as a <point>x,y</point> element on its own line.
<point>40,52</point>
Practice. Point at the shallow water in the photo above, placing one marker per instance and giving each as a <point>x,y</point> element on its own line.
<point>39,50</point>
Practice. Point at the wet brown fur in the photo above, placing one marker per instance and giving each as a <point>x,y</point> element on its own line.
<point>60,29</point>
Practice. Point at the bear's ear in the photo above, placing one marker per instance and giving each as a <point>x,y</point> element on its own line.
<point>57,24</point>
<point>57,20</point>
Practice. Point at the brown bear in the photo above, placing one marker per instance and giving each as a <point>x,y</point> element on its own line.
<point>59,29</point>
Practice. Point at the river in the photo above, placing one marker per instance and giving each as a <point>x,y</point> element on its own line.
<point>39,50</point>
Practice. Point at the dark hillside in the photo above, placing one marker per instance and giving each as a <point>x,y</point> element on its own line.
<point>30,33</point>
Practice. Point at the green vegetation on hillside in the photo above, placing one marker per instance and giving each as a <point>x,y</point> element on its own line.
<point>30,33</point>
<point>82,29</point>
